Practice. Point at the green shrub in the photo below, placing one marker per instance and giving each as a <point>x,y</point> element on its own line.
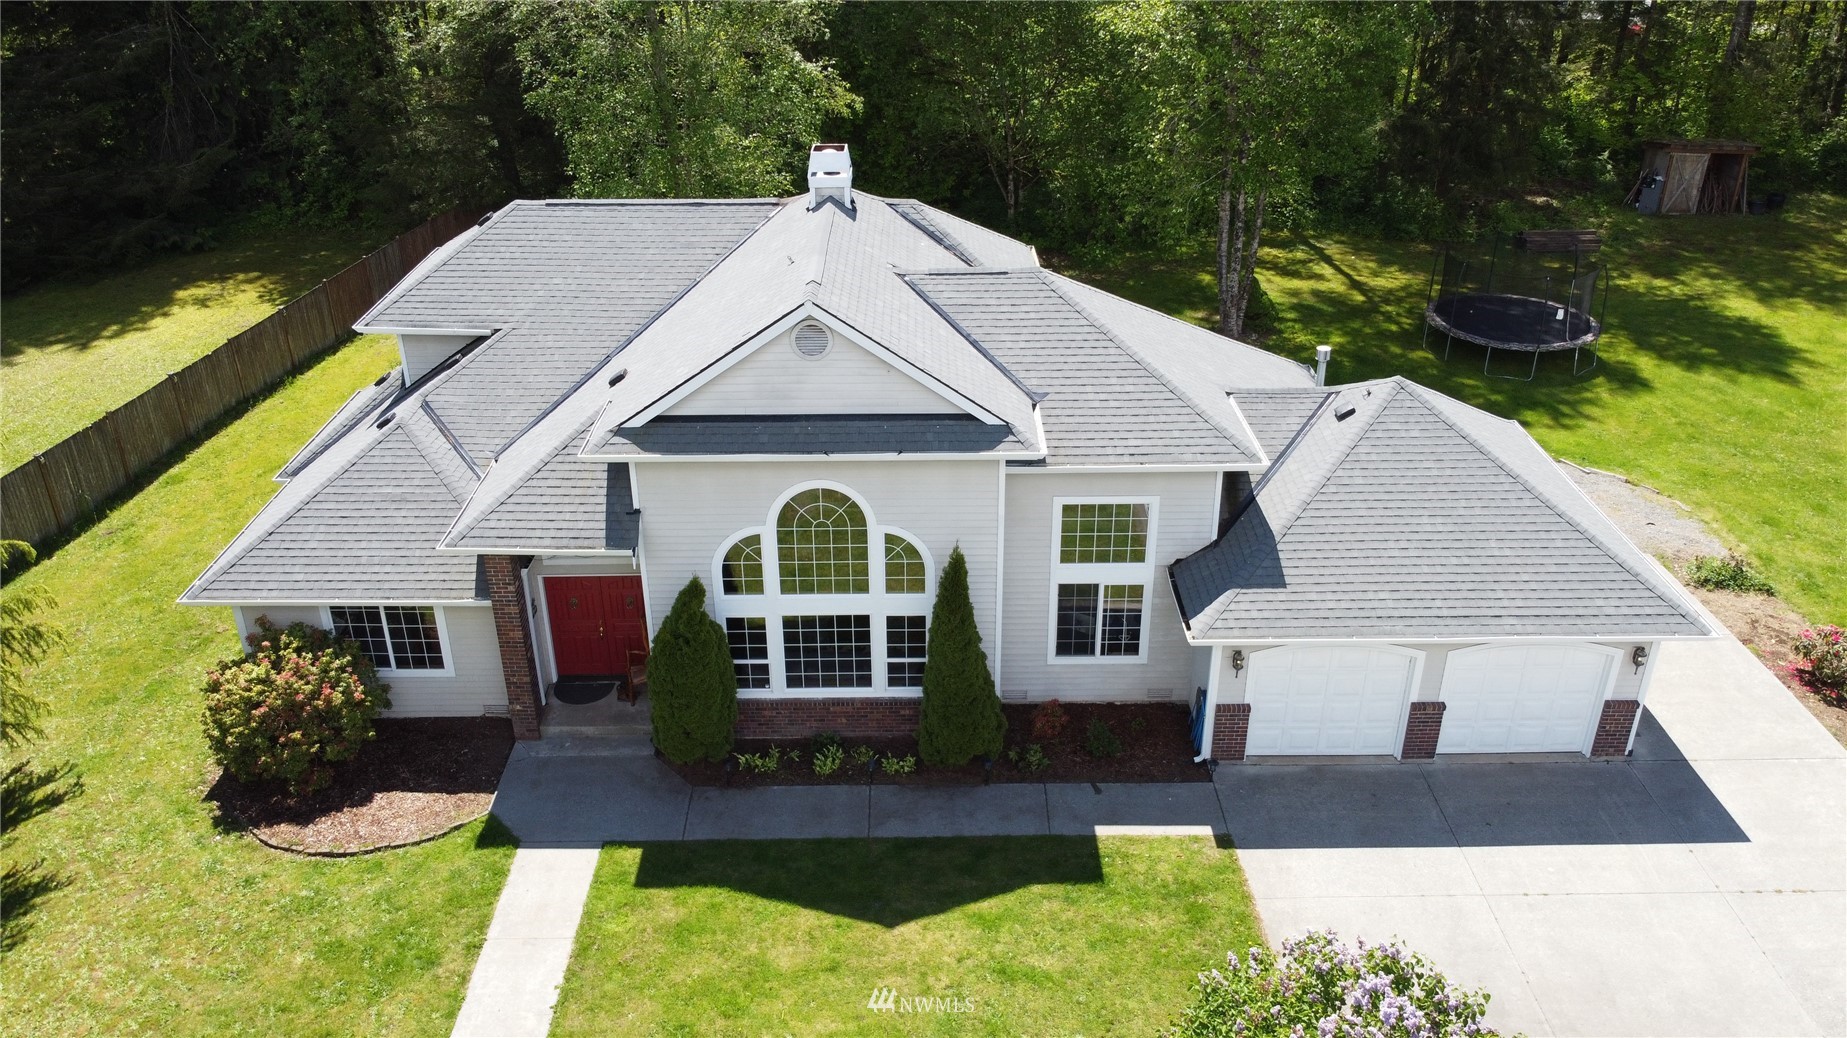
<point>1318,986</point>
<point>899,765</point>
<point>766,763</point>
<point>1822,663</point>
<point>1049,721</point>
<point>1100,740</point>
<point>962,718</point>
<point>692,682</point>
<point>828,759</point>
<point>303,699</point>
<point>1031,757</point>
<point>1731,573</point>
<point>862,755</point>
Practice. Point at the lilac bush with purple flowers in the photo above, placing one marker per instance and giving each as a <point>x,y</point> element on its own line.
<point>1317,987</point>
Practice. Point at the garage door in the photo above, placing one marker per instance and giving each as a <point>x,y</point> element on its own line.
<point>1313,700</point>
<point>1523,699</point>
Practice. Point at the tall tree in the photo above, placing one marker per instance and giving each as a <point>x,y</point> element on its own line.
<point>678,99</point>
<point>962,718</point>
<point>1245,104</point>
<point>691,681</point>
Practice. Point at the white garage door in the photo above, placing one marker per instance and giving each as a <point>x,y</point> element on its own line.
<point>1523,699</point>
<point>1311,700</point>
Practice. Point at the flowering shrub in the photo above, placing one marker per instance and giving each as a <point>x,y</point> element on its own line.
<point>1049,721</point>
<point>1317,987</point>
<point>301,700</point>
<point>1823,663</point>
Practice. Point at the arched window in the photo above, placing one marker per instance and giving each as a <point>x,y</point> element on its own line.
<point>821,545</point>
<point>904,567</point>
<point>742,572</point>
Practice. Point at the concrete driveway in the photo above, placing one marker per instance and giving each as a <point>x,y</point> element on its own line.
<point>1699,888</point>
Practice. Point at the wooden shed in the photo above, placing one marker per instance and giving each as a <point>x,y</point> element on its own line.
<point>1693,176</point>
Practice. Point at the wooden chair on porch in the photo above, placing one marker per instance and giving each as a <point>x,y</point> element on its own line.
<point>637,684</point>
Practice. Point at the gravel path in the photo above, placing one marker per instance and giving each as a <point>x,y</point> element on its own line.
<point>1658,524</point>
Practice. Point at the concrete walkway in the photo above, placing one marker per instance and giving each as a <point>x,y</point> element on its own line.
<point>515,983</point>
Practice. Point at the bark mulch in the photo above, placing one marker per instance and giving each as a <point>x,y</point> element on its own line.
<point>1156,741</point>
<point>419,779</point>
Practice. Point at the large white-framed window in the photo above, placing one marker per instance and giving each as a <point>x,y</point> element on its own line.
<point>823,600</point>
<point>400,639</point>
<point>1103,552</point>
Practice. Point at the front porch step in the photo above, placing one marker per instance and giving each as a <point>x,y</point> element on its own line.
<point>576,741</point>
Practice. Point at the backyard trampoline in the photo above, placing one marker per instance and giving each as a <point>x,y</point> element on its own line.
<point>1534,299</point>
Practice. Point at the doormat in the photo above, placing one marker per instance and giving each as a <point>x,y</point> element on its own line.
<point>583,691</point>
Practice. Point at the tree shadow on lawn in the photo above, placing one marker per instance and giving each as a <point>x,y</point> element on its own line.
<point>888,882</point>
<point>27,791</point>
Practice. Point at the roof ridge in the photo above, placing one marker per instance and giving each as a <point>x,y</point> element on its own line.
<point>1332,465</point>
<point>215,570</point>
<point>1046,276</point>
<point>1032,394</point>
<point>1648,580</point>
<point>425,449</point>
<point>911,212</point>
<point>457,531</point>
<point>597,367</point>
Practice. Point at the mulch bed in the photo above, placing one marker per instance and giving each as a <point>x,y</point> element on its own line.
<point>1156,743</point>
<point>419,779</point>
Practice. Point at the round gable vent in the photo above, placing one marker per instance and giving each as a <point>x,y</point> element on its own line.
<point>812,339</point>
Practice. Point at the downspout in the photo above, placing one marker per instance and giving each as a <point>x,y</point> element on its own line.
<point>1211,704</point>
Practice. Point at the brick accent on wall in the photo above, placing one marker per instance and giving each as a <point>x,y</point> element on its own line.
<point>1231,729</point>
<point>1613,728</point>
<point>514,631</point>
<point>853,717</point>
<point>1421,730</point>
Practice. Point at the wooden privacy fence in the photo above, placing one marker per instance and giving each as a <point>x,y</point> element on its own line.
<point>52,492</point>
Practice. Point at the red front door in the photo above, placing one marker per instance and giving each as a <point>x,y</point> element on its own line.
<point>598,624</point>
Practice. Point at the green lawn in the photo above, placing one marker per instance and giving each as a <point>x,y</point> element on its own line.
<point>1039,936</point>
<point>71,351</point>
<point>1724,374</point>
<point>147,918</point>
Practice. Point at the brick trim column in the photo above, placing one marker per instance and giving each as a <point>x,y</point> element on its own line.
<point>1614,728</point>
<point>514,632</point>
<point>1421,730</point>
<point>1231,730</point>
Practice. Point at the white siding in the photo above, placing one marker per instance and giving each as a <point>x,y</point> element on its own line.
<point>1628,682</point>
<point>423,352</point>
<point>847,379</point>
<point>476,687</point>
<point>1184,522</point>
<point>689,511</point>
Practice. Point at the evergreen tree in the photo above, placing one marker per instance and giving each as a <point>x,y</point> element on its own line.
<point>961,711</point>
<point>691,680</point>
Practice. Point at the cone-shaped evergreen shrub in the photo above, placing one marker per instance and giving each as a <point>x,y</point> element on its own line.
<point>961,712</point>
<point>691,680</point>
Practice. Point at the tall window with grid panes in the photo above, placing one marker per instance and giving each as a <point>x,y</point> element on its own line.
<point>1101,573</point>
<point>823,600</point>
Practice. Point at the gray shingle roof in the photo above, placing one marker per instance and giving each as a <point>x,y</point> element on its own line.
<point>569,504</point>
<point>366,531</point>
<point>1105,399</point>
<point>1275,415</point>
<point>815,434</point>
<point>570,282</point>
<point>1401,513</point>
<point>366,402</point>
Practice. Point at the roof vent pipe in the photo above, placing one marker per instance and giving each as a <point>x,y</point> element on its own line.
<point>830,175</point>
<point>1321,364</point>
